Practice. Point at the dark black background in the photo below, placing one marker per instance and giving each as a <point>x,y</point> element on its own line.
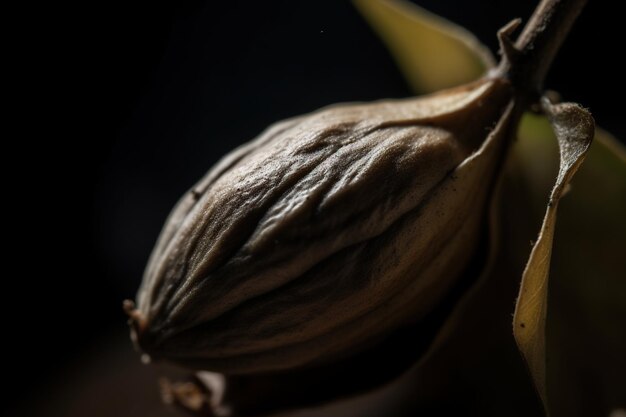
<point>138,99</point>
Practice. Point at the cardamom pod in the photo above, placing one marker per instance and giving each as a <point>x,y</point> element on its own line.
<point>324,234</point>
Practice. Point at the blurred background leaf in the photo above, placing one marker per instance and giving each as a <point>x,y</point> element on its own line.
<point>432,52</point>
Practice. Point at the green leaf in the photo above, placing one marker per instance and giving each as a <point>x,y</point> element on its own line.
<point>586,314</point>
<point>432,52</point>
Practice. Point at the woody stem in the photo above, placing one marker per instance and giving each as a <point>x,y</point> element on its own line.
<point>539,43</point>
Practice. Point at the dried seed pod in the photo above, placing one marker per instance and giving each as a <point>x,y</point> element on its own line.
<point>325,233</point>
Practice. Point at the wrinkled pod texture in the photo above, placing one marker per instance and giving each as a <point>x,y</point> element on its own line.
<point>325,233</point>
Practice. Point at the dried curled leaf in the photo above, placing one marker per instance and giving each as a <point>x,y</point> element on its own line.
<point>574,129</point>
<point>585,336</point>
<point>325,234</point>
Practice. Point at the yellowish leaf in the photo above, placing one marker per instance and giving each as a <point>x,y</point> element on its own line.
<point>585,335</point>
<point>574,129</point>
<point>432,52</point>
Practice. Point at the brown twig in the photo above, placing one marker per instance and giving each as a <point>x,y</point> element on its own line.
<point>527,61</point>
